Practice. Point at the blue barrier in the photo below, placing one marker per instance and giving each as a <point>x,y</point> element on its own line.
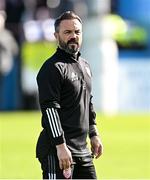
<point>10,91</point>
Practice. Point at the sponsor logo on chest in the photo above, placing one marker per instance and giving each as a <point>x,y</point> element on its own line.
<point>74,76</point>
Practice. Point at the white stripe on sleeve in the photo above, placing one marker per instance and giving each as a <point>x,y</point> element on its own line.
<point>54,122</point>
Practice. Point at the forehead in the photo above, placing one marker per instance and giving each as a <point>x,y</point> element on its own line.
<point>70,24</point>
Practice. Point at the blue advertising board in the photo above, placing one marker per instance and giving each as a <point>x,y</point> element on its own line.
<point>137,10</point>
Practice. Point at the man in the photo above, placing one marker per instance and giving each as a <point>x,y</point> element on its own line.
<point>64,83</point>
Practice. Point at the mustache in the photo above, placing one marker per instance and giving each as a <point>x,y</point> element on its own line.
<point>72,41</point>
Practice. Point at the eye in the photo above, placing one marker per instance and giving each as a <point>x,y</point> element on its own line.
<point>67,32</point>
<point>78,32</point>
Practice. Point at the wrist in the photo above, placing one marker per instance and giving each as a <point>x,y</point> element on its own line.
<point>59,146</point>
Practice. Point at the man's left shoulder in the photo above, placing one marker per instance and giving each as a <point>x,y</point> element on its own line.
<point>86,66</point>
<point>84,61</point>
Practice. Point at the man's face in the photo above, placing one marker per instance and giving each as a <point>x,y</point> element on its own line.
<point>69,36</point>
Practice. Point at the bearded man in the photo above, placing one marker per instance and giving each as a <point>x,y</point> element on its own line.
<point>68,116</point>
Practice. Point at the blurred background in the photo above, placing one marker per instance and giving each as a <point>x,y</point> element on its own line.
<point>117,46</point>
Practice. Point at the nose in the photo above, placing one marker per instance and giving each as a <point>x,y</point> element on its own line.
<point>73,35</point>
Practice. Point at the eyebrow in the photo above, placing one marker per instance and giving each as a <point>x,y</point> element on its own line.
<point>69,30</point>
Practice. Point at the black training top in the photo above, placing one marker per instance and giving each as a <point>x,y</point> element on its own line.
<point>64,83</point>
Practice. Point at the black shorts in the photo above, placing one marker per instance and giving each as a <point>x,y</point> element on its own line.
<point>82,168</point>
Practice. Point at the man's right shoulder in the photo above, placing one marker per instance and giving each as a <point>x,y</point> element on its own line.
<point>50,64</point>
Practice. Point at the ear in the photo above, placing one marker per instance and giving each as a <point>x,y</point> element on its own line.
<point>56,35</point>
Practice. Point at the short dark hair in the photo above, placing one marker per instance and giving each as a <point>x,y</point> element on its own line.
<point>64,16</point>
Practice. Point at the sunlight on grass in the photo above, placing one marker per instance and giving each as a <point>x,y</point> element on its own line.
<point>126,140</point>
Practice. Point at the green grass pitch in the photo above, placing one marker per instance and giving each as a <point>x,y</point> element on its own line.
<point>126,140</point>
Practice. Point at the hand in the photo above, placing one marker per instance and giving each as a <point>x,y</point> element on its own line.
<point>64,156</point>
<point>96,146</point>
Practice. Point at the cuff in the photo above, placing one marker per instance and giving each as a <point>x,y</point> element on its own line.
<point>93,131</point>
<point>59,140</point>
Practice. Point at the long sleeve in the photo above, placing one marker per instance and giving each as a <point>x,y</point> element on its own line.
<point>49,82</point>
<point>92,120</point>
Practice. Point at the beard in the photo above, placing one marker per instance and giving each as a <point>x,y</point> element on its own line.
<point>71,47</point>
